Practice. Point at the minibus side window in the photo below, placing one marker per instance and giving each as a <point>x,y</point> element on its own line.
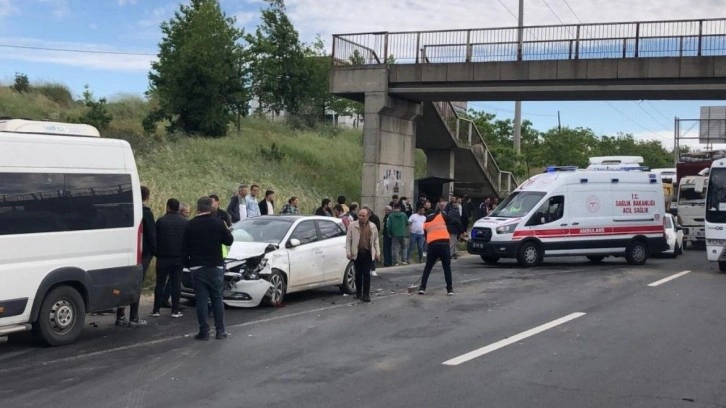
<point>551,210</point>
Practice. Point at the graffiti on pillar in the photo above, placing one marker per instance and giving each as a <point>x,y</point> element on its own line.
<point>392,182</point>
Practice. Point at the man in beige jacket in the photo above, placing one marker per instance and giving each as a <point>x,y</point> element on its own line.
<point>361,247</point>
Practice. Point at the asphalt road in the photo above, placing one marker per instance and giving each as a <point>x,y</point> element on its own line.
<point>566,334</point>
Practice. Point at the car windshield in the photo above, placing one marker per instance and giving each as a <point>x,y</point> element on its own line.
<point>518,204</point>
<point>264,229</point>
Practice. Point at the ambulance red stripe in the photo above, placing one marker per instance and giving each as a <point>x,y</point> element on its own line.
<point>589,232</point>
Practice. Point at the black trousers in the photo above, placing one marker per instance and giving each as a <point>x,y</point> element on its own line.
<point>168,269</point>
<point>134,308</point>
<point>436,251</point>
<point>363,263</point>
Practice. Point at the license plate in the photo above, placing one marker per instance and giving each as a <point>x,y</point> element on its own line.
<point>477,245</point>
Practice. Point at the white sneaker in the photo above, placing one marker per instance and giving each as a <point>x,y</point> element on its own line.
<point>373,273</point>
<point>176,315</point>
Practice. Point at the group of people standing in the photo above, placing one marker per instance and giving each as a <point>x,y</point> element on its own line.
<point>178,242</point>
<point>245,205</point>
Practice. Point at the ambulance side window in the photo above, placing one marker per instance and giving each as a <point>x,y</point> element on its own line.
<point>550,211</point>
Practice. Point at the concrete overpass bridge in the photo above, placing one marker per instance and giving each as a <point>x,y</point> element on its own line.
<point>407,79</point>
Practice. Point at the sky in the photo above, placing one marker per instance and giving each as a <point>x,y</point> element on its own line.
<point>33,33</point>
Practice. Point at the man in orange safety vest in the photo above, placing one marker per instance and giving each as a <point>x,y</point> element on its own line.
<point>437,242</point>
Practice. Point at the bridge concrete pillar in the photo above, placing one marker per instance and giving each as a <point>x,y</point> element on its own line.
<point>389,148</point>
<point>440,163</point>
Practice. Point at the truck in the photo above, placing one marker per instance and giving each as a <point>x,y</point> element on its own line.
<point>692,179</point>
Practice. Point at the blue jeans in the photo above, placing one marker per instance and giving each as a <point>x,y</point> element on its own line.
<point>418,241</point>
<point>208,284</point>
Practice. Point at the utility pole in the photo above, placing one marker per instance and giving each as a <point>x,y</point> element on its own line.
<point>518,104</point>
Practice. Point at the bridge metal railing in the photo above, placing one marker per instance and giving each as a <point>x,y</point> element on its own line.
<point>643,39</point>
<point>466,133</point>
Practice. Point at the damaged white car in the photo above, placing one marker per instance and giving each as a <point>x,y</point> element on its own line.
<point>275,255</point>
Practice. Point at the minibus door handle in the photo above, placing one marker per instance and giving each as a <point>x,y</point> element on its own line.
<point>575,223</point>
<point>563,225</point>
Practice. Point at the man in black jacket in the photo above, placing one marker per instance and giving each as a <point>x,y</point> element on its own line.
<point>202,254</point>
<point>220,213</point>
<point>169,235</point>
<point>267,206</point>
<point>147,254</point>
<point>454,226</point>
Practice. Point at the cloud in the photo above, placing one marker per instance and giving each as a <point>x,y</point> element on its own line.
<point>245,17</point>
<point>126,2</point>
<point>8,8</point>
<point>60,8</point>
<point>93,56</point>
<point>155,17</point>
<point>315,16</point>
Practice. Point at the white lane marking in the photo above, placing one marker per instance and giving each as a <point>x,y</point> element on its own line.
<point>510,340</point>
<point>670,278</point>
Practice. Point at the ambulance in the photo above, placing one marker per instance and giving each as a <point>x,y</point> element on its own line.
<point>571,212</point>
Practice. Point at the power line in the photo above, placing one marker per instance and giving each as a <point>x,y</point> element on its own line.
<point>572,11</point>
<point>553,12</point>
<point>630,119</point>
<point>510,11</point>
<point>649,114</point>
<point>26,47</point>
<point>658,112</point>
<point>639,106</point>
<point>494,108</point>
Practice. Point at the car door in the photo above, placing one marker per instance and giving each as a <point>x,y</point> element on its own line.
<point>332,242</point>
<point>307,260</point>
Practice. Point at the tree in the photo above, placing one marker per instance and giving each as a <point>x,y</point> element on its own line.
<point>22,84</point>
<point>97,114</point>
<point>279,71</point>
<point>200,76</point>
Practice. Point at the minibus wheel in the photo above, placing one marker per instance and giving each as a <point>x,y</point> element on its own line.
<point>62,316</point>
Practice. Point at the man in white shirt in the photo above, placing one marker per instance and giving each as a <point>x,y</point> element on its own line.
<point>416,227</point>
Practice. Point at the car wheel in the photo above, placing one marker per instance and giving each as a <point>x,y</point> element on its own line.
<point>529,254</point>
<point>490,260</point>
<point>348,285</point>
<point>279,289</point>
<point>636,253</point>
<point>61,317</point>
<point>596,259</point>
<point>722,266</point>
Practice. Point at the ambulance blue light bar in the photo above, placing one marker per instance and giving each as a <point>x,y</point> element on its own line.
<point>552,169</point>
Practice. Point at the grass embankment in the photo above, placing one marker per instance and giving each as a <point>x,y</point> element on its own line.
<point>313,164</point>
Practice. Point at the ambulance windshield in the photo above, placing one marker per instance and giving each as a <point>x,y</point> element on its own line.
<point>518,204</point>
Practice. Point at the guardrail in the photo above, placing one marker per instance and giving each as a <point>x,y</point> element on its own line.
<point>465,132</point>
<point>674,38</point>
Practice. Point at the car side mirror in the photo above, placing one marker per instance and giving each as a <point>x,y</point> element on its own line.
<point>293,243</point>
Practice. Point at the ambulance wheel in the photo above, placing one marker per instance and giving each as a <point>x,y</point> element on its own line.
<point>596,259</point>
<point>490,260</point>
<point>722,266</point>
<point>529,255</point>
<point>637,252</point>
